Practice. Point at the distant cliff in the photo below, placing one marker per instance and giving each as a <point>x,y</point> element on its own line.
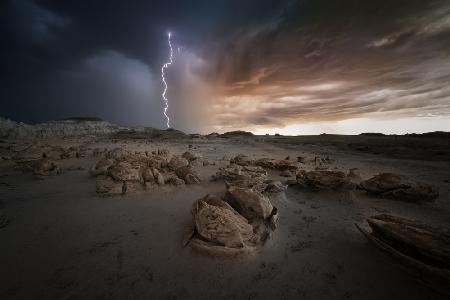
<point>64,128</point>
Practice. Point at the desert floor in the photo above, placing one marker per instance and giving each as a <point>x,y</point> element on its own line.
<point>65,242</point>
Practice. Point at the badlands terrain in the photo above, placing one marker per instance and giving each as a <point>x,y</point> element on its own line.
<point>92,210</point>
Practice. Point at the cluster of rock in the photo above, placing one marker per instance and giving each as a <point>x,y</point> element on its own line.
<point>423,248</point>
<point>385,185</point>
<point>40,159</point>
<point>241,220</point>
<point>119,171</point>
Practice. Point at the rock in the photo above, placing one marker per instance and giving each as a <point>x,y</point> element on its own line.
<point>147,175</point>
<point>163,152</point>
<point>101,167</point>
<point>218,223</point>
<point>189,156</point>
<point>177,162</point>
<point>124,171</point>
<point>106,186</point>
<point>249,203</point>
<point>422,248</point>
<point>286,165</point>
<point>174,180</point>
<point>187,174</point>
<point>117,153</point>
<point>267,163</point>
<point>301,159</point>
<point>399,187</point>
<point>192,179</point>
<point>242,160</point>
<point>98,152</point>
<point>323,180</point>
<point>159,178</point>
<point>275,186</point>
<point>45,167</point>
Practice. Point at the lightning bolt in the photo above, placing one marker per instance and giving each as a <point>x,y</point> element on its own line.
<point>165,66</point>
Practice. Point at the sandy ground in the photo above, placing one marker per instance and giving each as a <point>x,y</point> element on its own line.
<point>65,242</point>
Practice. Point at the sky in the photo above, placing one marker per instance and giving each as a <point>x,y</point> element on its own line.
<point>287,66</point>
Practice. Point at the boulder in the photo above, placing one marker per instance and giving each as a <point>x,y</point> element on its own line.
<point>242,160</point>
<point>147,175</point>
<point>106,186</point>
<point>399,187</point>
<point>324,180</point>
<point>218,223</point>
<point>422,248</point>
<point>159,178</point>
<point>249,203</point>
<point>187,174</point>
<point>267,163</point>
<point>286,165</point>
<point>189,156</point>
<point>45,167</point>
<point>177,162</point>
<point>275,186</point>
<point>124,171</point>
<point>101,167</point>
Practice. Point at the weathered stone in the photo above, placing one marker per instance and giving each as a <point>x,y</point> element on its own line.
<point>249,203</point>
<point>275,186</point>
<point>101,167</point>
<point>106,186</point>
<point>399,187</point>
<point>191,179</point>
<point>323,180</point>
<point>189,156</point>
<point>147,175</point>
<point>422,248</point>
<point>159,178</point>
<point>45,167</point>
<point>117,153</point>
<point>267,163</point>
<point>218,223</point>
<point>284,165</point>
<point>124,171</point>
<point>242,160</point>
<point>177,162</point>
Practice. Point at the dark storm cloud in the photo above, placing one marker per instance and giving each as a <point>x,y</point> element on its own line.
<point>334,60</point>
<point>237,63</point>
<point>48,45</point>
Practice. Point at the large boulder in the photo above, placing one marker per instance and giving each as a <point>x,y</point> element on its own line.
<point>106,186</point>
<point>124,171</point>
<point>267,163</point>
<point>422,248</point>
<point>218,223</point>
<point>190,157</point>
<point>242,160</point>
<point>249,203</point>
<point>286,165</point>
<point>45,167</point>
<point>324,180</point>
<point>177,162</point>
<point>101,167</point>
<point>399,187</point>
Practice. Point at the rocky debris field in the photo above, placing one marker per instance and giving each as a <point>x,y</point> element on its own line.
<point>289,207</point>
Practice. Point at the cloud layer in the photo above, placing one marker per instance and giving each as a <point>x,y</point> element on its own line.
<point>238,64</point>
